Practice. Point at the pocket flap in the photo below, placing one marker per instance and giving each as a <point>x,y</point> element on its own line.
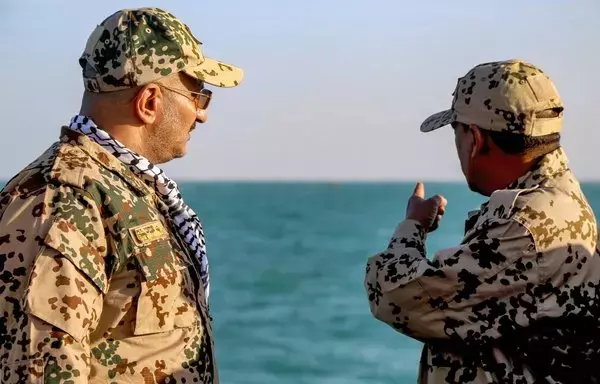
<point>86,253</point>
<point>163,303</point>
<point>60,295</point>
<point>158,261</point>
<point>153,251</point>
<point>26,371</point>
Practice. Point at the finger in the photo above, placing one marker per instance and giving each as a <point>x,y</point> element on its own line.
<point>441,209</point>
<point>442,206</point>
<point>444,202</point>
<point>435,224</point>
<point>439,201</point>
<point>419,190</point>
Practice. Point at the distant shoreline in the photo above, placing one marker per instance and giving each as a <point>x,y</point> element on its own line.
<point>318,181</point>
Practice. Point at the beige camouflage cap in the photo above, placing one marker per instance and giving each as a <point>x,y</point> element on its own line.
<point>502,96</point>
<point>133,47</point>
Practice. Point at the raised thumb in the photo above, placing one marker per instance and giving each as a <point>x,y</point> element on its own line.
<point>419,190</point>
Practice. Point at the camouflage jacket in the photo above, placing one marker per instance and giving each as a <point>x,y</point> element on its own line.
<point>515,302</point>
<point>94,286</point>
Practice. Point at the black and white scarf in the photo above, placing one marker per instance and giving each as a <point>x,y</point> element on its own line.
<point>181,216</point>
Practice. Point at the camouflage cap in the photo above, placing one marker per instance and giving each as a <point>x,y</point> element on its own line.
<point>133,47</point>
<point>503,96</point>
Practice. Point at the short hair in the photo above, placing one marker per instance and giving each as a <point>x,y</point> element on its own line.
<point>520,144</point>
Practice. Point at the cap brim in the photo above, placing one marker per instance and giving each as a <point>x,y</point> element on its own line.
<point>438,120</point>
<point>216,73</point>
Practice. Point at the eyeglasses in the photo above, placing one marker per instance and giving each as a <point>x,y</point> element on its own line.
<point>201,99</point>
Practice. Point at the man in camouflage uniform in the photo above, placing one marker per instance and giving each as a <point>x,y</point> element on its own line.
<point>516,300</point>
<point>103,268</point>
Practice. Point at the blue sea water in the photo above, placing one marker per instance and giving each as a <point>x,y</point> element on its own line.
<point>287,267</point>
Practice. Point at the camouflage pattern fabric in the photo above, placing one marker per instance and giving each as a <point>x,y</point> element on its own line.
<point>502,96</point>
<point>134,47</point>
<point>180,216</point>
<point>94,285</point>
<point>515,302</point>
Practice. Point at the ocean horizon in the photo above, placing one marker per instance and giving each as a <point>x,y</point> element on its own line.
<point>287,263</point>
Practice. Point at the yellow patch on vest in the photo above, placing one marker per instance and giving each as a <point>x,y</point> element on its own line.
<point>148,232</point>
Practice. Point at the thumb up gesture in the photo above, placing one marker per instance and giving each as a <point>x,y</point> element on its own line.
<point>429,211</point>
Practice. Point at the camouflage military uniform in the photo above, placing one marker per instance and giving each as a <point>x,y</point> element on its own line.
<point>96,283</point>
<point>517,300</point>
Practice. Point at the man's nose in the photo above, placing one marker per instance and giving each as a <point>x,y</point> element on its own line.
<point>201,116</point>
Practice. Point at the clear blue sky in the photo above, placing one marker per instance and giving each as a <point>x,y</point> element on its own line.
<point>333,89</point>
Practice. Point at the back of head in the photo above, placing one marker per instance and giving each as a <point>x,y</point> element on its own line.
<point>503,96</point>
<point>518,114</point>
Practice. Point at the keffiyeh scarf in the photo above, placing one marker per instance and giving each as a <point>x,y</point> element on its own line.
<point>181,216</point>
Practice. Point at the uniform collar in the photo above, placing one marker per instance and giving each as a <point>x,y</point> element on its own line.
<point>107,159</point>
<point>550,166</point>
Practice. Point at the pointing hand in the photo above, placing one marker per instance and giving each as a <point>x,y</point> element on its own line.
<point>429,211</point>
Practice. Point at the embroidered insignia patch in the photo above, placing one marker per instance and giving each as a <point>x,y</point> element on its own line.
<point>148,232</point>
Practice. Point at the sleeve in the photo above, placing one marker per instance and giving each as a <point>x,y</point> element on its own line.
<point>471,293</point>
<point>62,295</point>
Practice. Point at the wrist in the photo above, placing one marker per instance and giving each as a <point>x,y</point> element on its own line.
<point>416,222</point>
<point>409,233</point>
<point>410,228</point>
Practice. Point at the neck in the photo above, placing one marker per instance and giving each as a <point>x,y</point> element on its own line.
<point>503,171</point>
<point>123,131</point>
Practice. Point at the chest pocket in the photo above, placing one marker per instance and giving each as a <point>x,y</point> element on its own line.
<point>165,301</point>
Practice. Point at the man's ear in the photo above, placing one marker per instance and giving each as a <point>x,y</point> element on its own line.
<point>148,103</point>
<point>478,140</point>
